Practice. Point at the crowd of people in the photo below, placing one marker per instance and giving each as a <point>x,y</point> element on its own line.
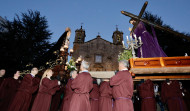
<point>82,93</point>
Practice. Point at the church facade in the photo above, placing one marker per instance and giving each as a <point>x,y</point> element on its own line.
<point>100,53</point>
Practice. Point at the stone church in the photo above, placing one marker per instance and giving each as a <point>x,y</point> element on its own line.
<point>100,53</point>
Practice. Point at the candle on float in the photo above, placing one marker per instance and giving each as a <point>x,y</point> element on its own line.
<point>140,39</point>
<point>62,49</point>
<point>127,38</point>
<point>71,50</point>
<point>123,43</point>
<point>131,38</point>
<point>135,37</point>
<point>80,58</point>
<point>65,46</point>
<point>65,67</point>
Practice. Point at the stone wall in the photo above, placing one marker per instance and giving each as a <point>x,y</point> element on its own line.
<point>105,52</point>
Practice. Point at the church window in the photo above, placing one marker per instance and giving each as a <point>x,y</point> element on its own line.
<point>79,39</point>
<point>98,59</point>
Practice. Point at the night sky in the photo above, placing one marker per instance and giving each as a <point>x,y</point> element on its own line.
<point>98,15</point>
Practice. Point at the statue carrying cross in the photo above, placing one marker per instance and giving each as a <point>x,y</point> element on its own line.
<point>150,46</point>
<point>138,18</point>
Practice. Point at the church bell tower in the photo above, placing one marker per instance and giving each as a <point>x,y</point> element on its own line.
<point>79,37</point>
<point>117,37</point>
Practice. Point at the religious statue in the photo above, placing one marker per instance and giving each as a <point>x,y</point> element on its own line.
<point>150,46</point>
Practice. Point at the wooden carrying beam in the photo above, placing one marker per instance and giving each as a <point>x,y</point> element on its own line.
<point>160,78</point>
<point>158,68</point>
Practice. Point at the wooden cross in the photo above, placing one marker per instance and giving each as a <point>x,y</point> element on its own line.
<point>140,15</point>
<point>138,18</point>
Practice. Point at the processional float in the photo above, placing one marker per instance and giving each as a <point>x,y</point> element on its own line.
<point>157,68</point>
<point>56,59</point>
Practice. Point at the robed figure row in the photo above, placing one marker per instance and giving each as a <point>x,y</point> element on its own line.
<point>112,95</point>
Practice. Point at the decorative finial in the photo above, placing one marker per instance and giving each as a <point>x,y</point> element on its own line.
<point>116,27</point>
<point>81,25</point>
<point>98,35</point>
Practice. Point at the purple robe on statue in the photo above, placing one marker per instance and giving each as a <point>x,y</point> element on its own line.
<point>150,47</point>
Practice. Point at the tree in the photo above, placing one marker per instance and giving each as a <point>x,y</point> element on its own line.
<point>26,39</point>
<point>171,44</point>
